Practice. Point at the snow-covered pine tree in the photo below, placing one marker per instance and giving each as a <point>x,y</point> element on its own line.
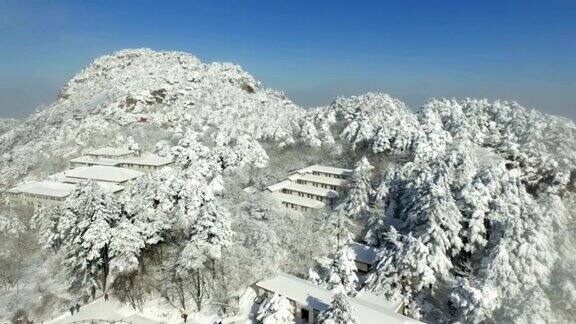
<point>86,232</point>
<point>250,152</point>
<point>149,202</point>
<point>339,312</point>
<point>309,134</point>
<point>126,245</point>
<point>358,199</point>
<point>46,220</point>
<point>209,234</point>
<point>275,310</point>
<point>131,144</point>
<point>402,271</point>
<point>341,275</point>
<point>523,257</point>
<point>339,226</point>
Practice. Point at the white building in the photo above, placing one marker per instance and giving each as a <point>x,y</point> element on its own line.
<point>326,171</point>
<point>100,173</point>
<point>298,203</point>
<point>47,192</point>
<point>111,153</point>
<point>315,187</point>
<point>145,163</point>
<point>310,300</point>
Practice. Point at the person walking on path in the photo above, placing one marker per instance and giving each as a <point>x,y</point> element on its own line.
<point>71,310</point>
<point>77,307</point>
<point>105,296</point>
<point>184,316</point>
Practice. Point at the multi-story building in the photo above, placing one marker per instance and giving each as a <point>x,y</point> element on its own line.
<point>47,192</point>
<point>121,158</point>
<point>309,300</point>
<point>110,167</point>
<point>100,173</point>
<point>314,187</point>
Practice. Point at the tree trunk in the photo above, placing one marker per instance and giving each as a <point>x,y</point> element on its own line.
<point>199,291</point>
<point>105,267</point>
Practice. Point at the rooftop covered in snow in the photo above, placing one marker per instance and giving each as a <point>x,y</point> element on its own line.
<point>368,308</point>
<point>312,190</point>
<point>364,253</point>
<point>44,188</point>
<point>103,173</point>
<point>278,186</point>
<point>297,200</point>
<point>110,151</point>
<point>92,160</point>
<point>148,159</point>
<point>325,180</point>
<point>325,169</point>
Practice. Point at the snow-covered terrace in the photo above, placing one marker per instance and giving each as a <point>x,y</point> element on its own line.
<point>317,191</point>
<point>323,180</point>
<point>297,200</point>
<point>326,170</point>
<point>103,173</point>
<point>329,193</point>
<point>368,308</point>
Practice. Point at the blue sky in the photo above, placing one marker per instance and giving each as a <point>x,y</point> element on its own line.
<point>312,50</point>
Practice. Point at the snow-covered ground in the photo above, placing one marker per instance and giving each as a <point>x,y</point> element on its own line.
<point>153,313</point>
<point>111,310</point>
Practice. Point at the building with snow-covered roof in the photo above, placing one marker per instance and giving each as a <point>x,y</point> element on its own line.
<point>291,188</point>
<point>48,192</point>
<point>298,203</point>
<point>101,173</point>
<point>322,182</point>
<point>309,300</point>
<point>365,256</point>
<point>145,163</point>
<point>111,153</point>
<point>311,185</point>
<point>90,161</point>
<point>39,192</point>
<point>326,171</point>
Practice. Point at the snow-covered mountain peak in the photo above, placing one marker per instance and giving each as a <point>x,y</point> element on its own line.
<point>150,76</point>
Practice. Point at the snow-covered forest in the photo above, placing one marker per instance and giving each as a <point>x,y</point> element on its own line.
<point>471,203</point>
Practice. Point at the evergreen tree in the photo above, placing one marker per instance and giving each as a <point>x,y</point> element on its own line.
<point>46,220</point>
<point>358,198</point>
<point>275,310</point>
<point>86,231</point>
<point>342,272</point>
<point>126,245</point>
<point>339,312</point>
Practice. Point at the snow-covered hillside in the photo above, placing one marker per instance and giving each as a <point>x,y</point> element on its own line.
<point>7,124</point>
<point>471,203</point>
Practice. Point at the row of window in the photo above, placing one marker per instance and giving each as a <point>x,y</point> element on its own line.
<point>302,194</point>
<point>328,175</point>
<point>294,206</point>
<point>317,184</point>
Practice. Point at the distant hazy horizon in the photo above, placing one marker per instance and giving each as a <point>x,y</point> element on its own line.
<point>314,52</point>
